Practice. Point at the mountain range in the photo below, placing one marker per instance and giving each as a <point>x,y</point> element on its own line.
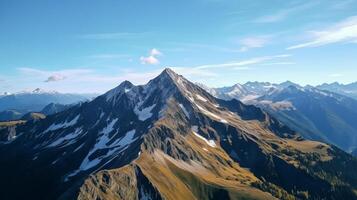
<point>349,90</point>
<point>168,139</point>
<point>316,114</point>
<point>14,106</point>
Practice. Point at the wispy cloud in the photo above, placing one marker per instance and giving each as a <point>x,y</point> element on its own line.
<point>240,64</point>
<point>152,58</point>
<point>209,70</point>
<point>278,63</point>
<point>189,47</point>
<point>343,4</point>
<point>82,80</point>
<point>55,77</point>
<point>253,42</point>
<point>281,15</point>
<point>276,17</point>
<point>108,36</point>
<point>345,31</point>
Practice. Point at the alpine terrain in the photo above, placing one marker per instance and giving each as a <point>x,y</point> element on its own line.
<point>349,90</point>
<point>168,139</point>
<point>14,106</point>
<point>316,114</point>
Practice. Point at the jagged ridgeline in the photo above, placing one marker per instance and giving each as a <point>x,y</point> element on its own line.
<point>168,139</point>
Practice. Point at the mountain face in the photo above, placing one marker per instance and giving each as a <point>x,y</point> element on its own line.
<point>316,114</point>
<point>349,90</point>
<point>168,139</point>
<point>36,100</point>
<point>54,108</point>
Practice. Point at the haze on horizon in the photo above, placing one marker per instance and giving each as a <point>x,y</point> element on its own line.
<point>86,47</point>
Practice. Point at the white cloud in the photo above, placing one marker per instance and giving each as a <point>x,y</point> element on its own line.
<point>55,77</point>
<point>152,58</point>
<point>253,42</point>
<point>345,31</point>
<point>155,52</point>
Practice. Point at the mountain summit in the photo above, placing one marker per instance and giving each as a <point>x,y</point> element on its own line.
<point>168,139</point>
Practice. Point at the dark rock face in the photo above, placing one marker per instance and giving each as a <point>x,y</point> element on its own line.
<point>168,139</point>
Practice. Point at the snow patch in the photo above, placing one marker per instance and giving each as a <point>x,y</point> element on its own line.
<point>184,110</point>
<point>102,143</point>
<point>126,90</point>
<point>211,143</point>
<point>79,147</point>
<point>66,124</point>
<point>126,140</point>
<point>211,114</point>
<point>223,121</point>
<point>199,97</point>
<point>66,138</point>
<point>144,113</point>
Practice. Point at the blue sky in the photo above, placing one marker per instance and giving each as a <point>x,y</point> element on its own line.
<point>91,46</point>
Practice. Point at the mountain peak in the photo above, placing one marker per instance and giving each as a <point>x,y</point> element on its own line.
<point>165,78</point>
<point>169,73</point>
<point>126,84</point>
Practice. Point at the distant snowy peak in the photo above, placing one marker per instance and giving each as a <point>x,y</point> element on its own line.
<point>349,90</point>
<point>37,91</point>
<point>288,84</point>
<point>251,91</point>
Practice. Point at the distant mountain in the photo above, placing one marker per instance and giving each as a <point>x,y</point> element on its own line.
<point>8,115</point>
<point>259,88</point>
<point>54,108</point>
<point>349,90</point>
<point>36,100</point>
<point>33,116</point>
<point>168,139</point>
<point>316,114</point>
<point>246,92</point>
